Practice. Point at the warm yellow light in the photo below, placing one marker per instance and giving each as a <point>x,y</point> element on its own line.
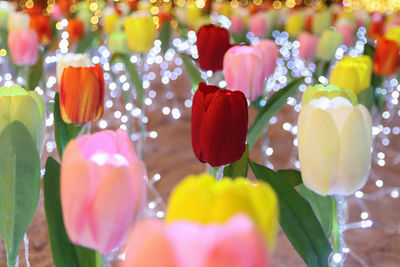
<point>154,10</point>
<point>277,4</point>
<point>94,20</point>
<point>290,3</point>
<point>3,52</point>
<point>93,6</point>
<point>257,2</point>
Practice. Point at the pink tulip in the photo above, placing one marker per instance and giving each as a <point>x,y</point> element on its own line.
<point>271,53</point>
<point>308,45</point>
<point>244,70</point>
<point>347,32</point>
<point>393,23</point>
<point>237,24</point>
<point>236,243</point>
<point>258,25</point>
<point>103,189</point>
<point>23,45</point>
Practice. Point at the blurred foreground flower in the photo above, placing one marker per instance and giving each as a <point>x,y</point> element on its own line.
<point>237,243</point>
<point>103,189</point>
<point>203,199</point>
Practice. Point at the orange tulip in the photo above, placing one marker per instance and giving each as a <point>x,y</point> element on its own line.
<point>75,29</point>
<point>41,24</point>
<point>65,6</point>
<point>82,94</point>
<point>387,57</point>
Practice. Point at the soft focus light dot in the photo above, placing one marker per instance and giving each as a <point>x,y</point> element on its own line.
<point>117,114</point>
<point>153,134</point>
<point>188,103</point>
<point>394,193</point>
<point>103,124</point>
<point>124,119</point>
<point>109,103</point>
<point>364,215</point>
<point>379,183</point>
<point>269,151</point>
<point>166,110</point>
<point>176,114</point>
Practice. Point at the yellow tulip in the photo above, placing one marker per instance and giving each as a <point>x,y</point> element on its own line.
<point>16,104</point>
<point>203,199</point>
<point>335,138</point>
<point>140,32</point>
<point>295,24</point>
<point>322,21</point>
<point>109,23</point>
<point>352,73</point>
<point>393,34</point>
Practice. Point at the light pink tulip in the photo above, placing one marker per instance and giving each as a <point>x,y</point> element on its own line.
<point>236,243</point>
<point>393,23</point>
<point>244,70</point>
<point>270,53</point>
<point>103,189</point>
<point>258,25</point>
<point>237,24</point>
<point>308,45</point>
<point>347,32</point>
<point>23,45</point>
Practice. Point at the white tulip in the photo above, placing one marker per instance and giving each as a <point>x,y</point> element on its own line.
<point>73,60</point>
<point>335,141</point>
<point>18,21</point>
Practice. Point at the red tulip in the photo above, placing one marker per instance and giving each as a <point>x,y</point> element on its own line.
<point>41,24</point>
<point>387,57</point>
<point>82,94</point>
<point>75,30</point>
<point>212,43</point>
<point>219,125</point>
<point>376,28</point>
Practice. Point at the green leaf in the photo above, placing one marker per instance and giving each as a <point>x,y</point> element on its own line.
<point>63,132</point>
<point>238,168</point>
<point>322,207</point>
<point>35,73</point>
<point>192,71</point>
<point>366,97</point>
<point>19,185</point>
<point>135,78</point>
<point>274,104</point>
<point>165,36</point>
<point>292,176</point>
<point>87,41</point>
<point>65,254</point>
<point>297,219</point>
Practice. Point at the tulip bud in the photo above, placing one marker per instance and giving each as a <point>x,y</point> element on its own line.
<point>295,24</point>
<point>258,25</point>
<point>387,57</point>
<point>18,21</point>
<point>103,189</point>
<point>393,34</point>
<point>376,28</point>
<point>219,125</point>
<point>203,199</point>
<point>322,21</point>
<point>352,73</point>
<point>270,53</point>
<point>75,29</point>
<point>140,32</point>
<point>243,70</point>
<point>73,60</point>
<point>212,43</point>
<point>23,45</point>
<point>329,41</point>
<point>308,46</point>
<point>5,9</point>
<point>335,138</point>
<point>117,43</point>
<point>109,23</point>
<point>237,25</point>
<point>346,29</point>
<point>41,24</point>
<point>16,104</point>
<point>181,244</point>
<point>82,94</point>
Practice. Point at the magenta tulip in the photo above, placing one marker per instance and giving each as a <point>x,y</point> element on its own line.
<point>244,70</point>
<point>103,189</point>
<point>270,53</point>
<point>23,45</point>
<point>236,243</point>
<point>308,46</point>
<point>258,25</point>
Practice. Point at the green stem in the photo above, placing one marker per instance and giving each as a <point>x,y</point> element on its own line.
<point>338,226</point>
<point>142,126</point>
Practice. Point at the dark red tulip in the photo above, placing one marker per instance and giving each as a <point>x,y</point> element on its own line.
<point>219,125</point>
<point>387,57</point>
<point>212,43</point>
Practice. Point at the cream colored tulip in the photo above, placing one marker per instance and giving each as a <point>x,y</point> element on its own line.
<point>18,21</point>
<point>74,60</point>
<point>335,138</point>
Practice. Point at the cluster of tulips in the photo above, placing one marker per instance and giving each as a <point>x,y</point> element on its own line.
<point>97,196</point>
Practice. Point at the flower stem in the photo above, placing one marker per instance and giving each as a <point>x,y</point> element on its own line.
<point>337,257</point>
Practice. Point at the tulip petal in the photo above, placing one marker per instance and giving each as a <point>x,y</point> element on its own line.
<point>354,153</point>
<point>113,208</point>
<point>318,148</point>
